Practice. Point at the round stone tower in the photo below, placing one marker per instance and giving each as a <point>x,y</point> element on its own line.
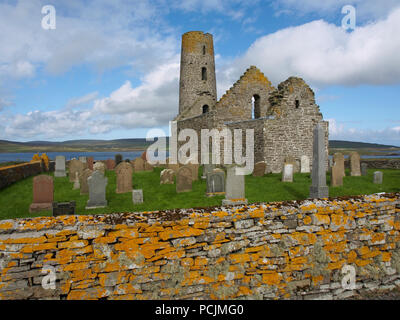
<point>197,87</point>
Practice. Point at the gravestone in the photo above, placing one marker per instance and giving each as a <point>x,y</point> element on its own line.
<point>292,160</point>
<point>319,189</point>
<point>139,164</point>
<point>364,169</point>
<point>195,171</point>
<point>287,174</point>
<point>336,175</point>
<point>64,208</point>
<point>77,185</point>
<point>90,162</point>
<point>207,168</point>
<point>99,166</point>
<point>144,155</point>
<point>184,179</point>
<point>137,196</point>
<point>124,177</point>
<point>97,191</point>
<point>355,164</point>
<point>378,177</point>
<point>305,164</point>
<point>167,176</point>
<point>148,166</point>
<point>110,164</point>
<point>82,159</point>
<point>60,167</point>
<point>338,160</point>
<point>83,180</point>
<point>259,169</point>
<point>215,182</point>
<point>174,166</point>
<point>234,188</point>
<point>43,189</point>
<point>117,159</point>
<point>75,166</point>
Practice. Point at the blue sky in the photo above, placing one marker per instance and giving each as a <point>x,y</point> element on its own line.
<point>110,69</point>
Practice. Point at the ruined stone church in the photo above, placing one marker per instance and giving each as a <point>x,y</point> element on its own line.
<point>283,118</point>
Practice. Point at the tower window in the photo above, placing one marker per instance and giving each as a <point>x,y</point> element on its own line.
<point>204,73</point>
<point>297,104</point>
<point>205,108</point>
<point>204,50</point>
<point>255,107</point>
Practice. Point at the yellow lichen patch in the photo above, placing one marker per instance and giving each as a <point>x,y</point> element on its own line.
<point>38,247</point>
<point>41,239</point>
<point>336,265</point>
<point>352,256</point>
<point>239,257</point>
<point>271,278</point>
<point>92,294</point>
<point>307,220</point>
<point>362,263</point>
<point>6,225</point>
<point>187,232</point>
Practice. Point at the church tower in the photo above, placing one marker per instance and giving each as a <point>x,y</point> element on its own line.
<point>197,86</point>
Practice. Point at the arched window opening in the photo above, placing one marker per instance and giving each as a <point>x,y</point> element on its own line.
<point>297,104</point>
<point>255,107</point>
<point>204,73</point>
<point>205,108</point>
<point>204,50</point>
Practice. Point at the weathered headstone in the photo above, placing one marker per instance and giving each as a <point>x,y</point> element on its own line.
<point>64,208</point>
<point>83,180</point>
<point>148,166</point>
<point>287,173</point>
<point>378,177</point>
<point>364,169</point>
<point>259,169</point>
<point>75,166</point>
<point>207,168</point>
<point>319,189</point>
<point>60,167</point>
<point>137,196</point>
<point>77,185</point>
<point>305,164</point>
<point>336,175</point>
<point>174,166</point>
<point>110,164</point>
<point>184,179</point>
<point>195,171</point>
<point>90,162</point>
<point>355,164</point>
<point>99,166</point>
<point>139,164</point>
<point>97,191</point>
<point>216,182</point>
<point>117,159</point>
<point>144,155</point>
<point>43,189</point>
<point>82,159</point>
<point>234,188</point>
<point>124,177</point>
<point>292,160</point>
<point>338,160</point>
<point>167,176</point>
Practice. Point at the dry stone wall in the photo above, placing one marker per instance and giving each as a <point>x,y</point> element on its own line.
<point>286,250</point>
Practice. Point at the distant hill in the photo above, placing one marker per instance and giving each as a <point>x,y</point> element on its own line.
<point>357,145</point>
<point>131,145</point>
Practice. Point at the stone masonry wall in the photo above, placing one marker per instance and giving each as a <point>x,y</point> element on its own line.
<point>286,250</point>
<point>11,174</point>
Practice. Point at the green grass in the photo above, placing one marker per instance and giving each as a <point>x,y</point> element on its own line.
<point>15,200</point>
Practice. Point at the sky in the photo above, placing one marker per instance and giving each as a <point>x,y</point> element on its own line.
<point>110,69</point>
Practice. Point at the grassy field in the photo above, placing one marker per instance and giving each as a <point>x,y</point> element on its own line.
<point>15,200</point>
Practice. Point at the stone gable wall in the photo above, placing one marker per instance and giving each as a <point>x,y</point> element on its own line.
<point>285,250</point>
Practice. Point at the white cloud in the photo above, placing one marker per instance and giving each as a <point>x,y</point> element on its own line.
<point>324,54</point>
<point>84,100</point>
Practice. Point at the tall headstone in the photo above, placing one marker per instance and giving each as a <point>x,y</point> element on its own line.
<point>139,164</point>
<point>338,160</point>
<point>99,166</point>
<point>336,175</point>
<point>117,159</point>
<point>304,164</point>
<point>364,169</point>
<point>292,160</point>
<point>77,185</point>
<point>378,177</point>
<point>110,164</point>
<point>287,173</point>
<point>259,169</point>
<point>60,167</point>
<point>184,179</point>
<point>195,171</point>
<point>216,182</point>
<point>137,196</point>
<point>167,176</point>
<point>90,162</point>
<point>97,191</point>
<point>234,188</point>
<point>124,177</point>
<point>43,189</point>
<point>83,180</point>
<point>74,167</point>
<point>319,189</point>
<point>355,164</point>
